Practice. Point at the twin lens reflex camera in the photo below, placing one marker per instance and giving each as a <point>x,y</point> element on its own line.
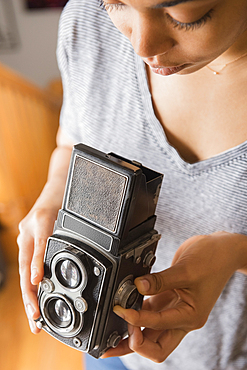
<point>103,239</point>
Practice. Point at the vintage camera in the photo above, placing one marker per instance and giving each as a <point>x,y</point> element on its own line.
<point>103,239</point>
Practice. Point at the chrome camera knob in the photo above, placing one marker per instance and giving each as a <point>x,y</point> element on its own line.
<point>47,285</point>
<point>81,304</point>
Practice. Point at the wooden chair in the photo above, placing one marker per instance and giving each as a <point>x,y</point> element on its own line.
<point>28,124</point>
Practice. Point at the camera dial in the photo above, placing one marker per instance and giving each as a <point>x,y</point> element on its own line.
<point>127,294</point>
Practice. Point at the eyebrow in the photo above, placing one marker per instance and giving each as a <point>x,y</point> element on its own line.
<point>168,4</point>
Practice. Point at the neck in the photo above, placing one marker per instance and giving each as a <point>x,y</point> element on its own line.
<point>237,50</point>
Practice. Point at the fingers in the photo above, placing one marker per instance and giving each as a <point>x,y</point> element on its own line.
<point>181,298</point>
<point>174,277</point>
<point>37,265</point>
<point>156,350</point>
<point>181,316</point>
<point>121,350</point>
<point>186,244</point>
<point>34,230</point>
<point>179,276</point>
<point>29,291</point>
<point>43,226</point>
<point>161,301</point>
<point>152,344</point>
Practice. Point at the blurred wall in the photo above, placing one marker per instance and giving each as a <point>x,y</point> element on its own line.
<point>35,58</point>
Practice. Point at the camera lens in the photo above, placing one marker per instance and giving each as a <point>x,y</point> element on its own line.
<point>70,270</point>
<point>68,274</point>
<point>59,313</point>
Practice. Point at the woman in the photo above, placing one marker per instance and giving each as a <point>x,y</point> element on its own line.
<point>163,82</point>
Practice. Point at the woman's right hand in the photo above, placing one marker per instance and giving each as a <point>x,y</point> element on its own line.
<point>35,228</point>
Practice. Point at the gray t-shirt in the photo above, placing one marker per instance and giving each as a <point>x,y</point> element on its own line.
<point>107,105</point>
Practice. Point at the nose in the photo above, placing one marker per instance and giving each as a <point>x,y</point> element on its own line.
<point>150,36</point>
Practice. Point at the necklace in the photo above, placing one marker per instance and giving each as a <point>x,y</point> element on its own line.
<point>225,65</point>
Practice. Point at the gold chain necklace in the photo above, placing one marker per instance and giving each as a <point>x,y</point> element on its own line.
<point>225,65</point>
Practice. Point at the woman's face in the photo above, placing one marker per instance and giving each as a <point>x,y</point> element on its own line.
<point>181,36</point>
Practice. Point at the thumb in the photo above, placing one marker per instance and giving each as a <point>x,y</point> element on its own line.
<point>171,278</point>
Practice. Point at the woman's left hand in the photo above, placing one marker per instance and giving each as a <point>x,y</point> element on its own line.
<point>182,296</point>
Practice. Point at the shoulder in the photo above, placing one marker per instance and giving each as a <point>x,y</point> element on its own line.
<point>85,24</point>
<point>88,42</point>
<point>97,65</point>
<point>90,48</point>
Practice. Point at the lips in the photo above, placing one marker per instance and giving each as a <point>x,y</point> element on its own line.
<point>167,71</point>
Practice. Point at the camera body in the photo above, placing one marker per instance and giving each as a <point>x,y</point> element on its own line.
<point>103,239</point>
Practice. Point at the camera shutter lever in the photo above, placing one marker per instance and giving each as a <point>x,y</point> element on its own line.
<point>138,260</point>
<point>136,253</point>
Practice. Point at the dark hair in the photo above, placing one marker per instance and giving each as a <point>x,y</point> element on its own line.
<point>101,4</point>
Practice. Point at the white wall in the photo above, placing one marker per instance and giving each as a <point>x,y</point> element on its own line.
<point>35,58</point>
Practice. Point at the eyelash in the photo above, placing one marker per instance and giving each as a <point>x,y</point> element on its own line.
<point>109,7</point>
<point>176,24</point>
<point>193,25</point>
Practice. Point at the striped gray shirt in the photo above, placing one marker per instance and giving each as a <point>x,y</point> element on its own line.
<point>107,105</point>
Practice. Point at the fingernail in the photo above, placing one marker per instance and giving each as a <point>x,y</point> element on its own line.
<point>30,311</point>
<point>143,285</point>
<point>118,310</point>
<point>32,326</point>
<point>34,274</point>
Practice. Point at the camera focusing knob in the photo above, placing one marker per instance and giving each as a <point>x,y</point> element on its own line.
<point>113,340</point>
<point>127,293</point>
<point>149,259</point>
<point>47,285</point>
<point>81,304</point>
